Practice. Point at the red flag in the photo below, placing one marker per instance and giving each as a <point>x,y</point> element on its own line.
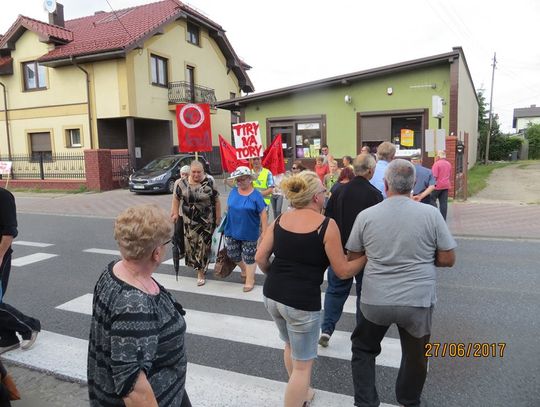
<point>273,157</point>
<point>229,162</point>
<point>194,133</point>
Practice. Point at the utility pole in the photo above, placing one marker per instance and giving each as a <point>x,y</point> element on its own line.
<point>490,108</point>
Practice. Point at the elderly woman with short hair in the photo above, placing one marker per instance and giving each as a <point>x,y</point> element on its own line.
<point>200,206</point>
<point>136,354</point>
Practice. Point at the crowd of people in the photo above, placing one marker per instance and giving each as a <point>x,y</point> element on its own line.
<point>372,221</point>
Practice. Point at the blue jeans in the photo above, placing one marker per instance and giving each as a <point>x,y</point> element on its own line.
<point>336,294</point>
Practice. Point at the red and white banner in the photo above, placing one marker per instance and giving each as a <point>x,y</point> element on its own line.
<point>194,132</point>
<point>247,140</point>
<point>273,157</point>
<point>229,162</point>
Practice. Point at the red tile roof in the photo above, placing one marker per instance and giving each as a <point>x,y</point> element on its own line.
<point>120,31</point>
<point>48,31</point>
<point>104,32</point>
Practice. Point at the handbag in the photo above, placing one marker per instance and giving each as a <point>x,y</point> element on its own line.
<point>224,264</point>
<point>216,240</point>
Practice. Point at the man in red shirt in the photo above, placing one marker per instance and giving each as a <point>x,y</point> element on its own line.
<point>442,171</point>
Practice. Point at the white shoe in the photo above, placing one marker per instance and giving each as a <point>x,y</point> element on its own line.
<point>27,343</point>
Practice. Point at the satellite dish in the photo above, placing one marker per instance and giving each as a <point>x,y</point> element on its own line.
<point>49,6</point>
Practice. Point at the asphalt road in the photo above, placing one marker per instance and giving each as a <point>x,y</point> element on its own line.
<point>491,296</point>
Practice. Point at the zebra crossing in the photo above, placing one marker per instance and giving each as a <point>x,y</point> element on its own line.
<point>65,356</point>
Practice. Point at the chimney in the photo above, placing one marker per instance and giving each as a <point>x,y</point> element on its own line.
<point>57,18</point>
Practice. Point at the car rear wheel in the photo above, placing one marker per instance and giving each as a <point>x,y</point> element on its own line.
<point>170,186</point>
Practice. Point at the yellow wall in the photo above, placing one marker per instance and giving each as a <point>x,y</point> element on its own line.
<point>61,105</point>
<point>210,71</point>
<point>118,88</point>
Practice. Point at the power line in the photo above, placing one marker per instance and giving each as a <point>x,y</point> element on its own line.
<point>120,21</point>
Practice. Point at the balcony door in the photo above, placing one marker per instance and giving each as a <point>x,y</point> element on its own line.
<point>190,79</point>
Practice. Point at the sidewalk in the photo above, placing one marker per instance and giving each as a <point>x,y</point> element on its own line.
<point>475,218</point>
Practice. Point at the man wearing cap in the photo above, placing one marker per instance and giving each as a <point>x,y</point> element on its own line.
<point>425,182</point>
<point>404,242</point>
<point>442,171</point>
<point>263,181</point>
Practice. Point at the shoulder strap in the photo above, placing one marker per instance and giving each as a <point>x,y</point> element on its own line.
<point>322,228</point>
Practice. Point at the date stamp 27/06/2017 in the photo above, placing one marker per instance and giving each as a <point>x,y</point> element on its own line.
<point>464,350</point>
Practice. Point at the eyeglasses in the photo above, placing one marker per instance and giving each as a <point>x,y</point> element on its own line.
<point>167,242</point>
<point>322,191</point>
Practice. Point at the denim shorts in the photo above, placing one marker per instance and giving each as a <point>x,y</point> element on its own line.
<point>241,250</point>
<point>300,329</point>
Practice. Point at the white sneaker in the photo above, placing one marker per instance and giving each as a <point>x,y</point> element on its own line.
<point>324,339</point>
<point>27,343</point>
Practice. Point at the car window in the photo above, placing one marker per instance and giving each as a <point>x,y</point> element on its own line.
<point>161,164</point>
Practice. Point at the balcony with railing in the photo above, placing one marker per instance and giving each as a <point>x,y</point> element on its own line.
<point>184,92</point>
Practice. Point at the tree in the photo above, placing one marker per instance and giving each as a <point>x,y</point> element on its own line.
<point>532,134</point>
<point>483,127</point>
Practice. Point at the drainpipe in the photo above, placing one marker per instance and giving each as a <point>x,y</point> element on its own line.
<point>87,98</point>
<point>7,123</point>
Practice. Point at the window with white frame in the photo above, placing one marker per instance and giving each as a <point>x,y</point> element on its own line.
<point>34,76</point>
<point>73,137</point>
<point>158,69</point>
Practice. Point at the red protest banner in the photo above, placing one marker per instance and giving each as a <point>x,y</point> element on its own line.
<point>194,132</point>
<point>273,157</point>
<point>229,162</point>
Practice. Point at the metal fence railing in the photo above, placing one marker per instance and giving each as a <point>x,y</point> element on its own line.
<point>45,165</point>
<point>184,92</point>
<point>121,167</point>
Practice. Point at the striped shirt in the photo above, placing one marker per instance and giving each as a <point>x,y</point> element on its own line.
<point>133,331</point>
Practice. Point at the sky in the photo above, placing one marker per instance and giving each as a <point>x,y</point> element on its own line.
<point>288,42</point>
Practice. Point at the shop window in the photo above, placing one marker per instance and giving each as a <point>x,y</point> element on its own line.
<point>73,138</point>
<point>40,145</point>
<point>158,69</point>
<point>193,34</point>
<point>407,133</point>
<point>34,76</point>
<point>308,139</point>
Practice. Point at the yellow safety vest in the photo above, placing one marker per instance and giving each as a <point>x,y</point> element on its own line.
<point>261,183</point>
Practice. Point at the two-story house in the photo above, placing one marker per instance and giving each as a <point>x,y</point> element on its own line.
<point>112,79</point>
<point>524,116</point>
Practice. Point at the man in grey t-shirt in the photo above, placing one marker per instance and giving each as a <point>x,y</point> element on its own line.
<point>404,242</point>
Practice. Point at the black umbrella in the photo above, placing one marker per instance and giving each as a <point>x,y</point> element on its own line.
<point>178,245</point>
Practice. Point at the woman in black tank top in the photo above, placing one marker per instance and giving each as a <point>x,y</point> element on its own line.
<point>304,243</point>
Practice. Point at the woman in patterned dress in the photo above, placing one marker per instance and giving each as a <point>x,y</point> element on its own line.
<point>201,212</point>
<point>136,350</point>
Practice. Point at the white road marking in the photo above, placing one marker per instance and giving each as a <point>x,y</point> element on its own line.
<point>31,244</point>
<point>255,332</point>
<point>227,289</point>
<point>102,251</point>
<point>66,357</point>
<point>31,258</point>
